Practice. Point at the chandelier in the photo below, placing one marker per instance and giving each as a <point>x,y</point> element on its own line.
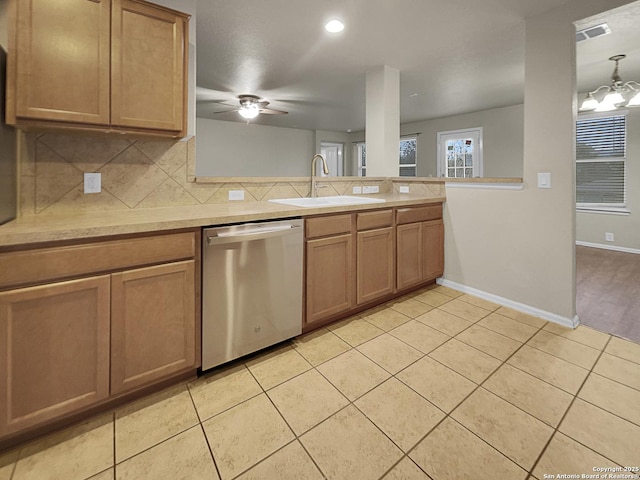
<point>617,93</point>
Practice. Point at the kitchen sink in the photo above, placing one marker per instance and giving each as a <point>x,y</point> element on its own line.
<point>327,201</point>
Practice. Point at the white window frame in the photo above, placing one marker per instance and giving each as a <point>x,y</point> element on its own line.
<point>362,166</point>
<point>442,137</point>
<point>408,138</point>
<point>361,162</point>
<point>613,208</point>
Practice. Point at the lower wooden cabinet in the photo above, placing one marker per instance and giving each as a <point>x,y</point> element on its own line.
<point>375,264</point>
<point>409,255</point>
<point>329,285</point>
<point>54,346</point>
<point>152,324</point>
<point>433,249</point>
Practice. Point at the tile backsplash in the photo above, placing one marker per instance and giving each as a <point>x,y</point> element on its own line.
<point>147,173</point>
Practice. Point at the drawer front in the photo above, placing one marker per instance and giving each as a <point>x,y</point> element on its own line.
<point>371,220</point>
<point>328,225</point>
<point>418,214</point>
<point>46,264</point>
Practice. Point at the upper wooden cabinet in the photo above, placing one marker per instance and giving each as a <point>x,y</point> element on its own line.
<point>98,64</point>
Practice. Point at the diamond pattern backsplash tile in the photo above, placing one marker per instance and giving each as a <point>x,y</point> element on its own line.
<point>145,173</point>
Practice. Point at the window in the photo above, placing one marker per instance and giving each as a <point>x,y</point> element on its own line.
<point>601,161</point>
<point>407,166</point>
<point>460,153</point>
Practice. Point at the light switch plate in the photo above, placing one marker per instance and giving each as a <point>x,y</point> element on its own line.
<point>236,194</point>
<point>375,189</point>
<point>544,180</point>
<point>404,189</point>
<point>92,183</point>
<point>357,190</point>
<point>367,189</point>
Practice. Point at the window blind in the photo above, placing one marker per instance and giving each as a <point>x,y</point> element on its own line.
<point>600,161</point>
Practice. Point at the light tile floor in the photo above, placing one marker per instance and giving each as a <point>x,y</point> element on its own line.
<point>433,385</point>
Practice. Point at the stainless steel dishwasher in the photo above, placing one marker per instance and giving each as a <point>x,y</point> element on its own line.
<point>251,288</point>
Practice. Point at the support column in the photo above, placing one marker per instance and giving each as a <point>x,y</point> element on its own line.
<point>382,135</point>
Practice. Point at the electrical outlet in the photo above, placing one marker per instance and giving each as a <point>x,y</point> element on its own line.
<point>92,183</point>
<point>404,189</point>
<point>609,237</point>
<point>357,190</point>
<point>375,189</point>
<point>366,189</point>
<point>236,194</point>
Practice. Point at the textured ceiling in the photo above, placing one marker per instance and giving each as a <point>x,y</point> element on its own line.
<point>454,56</point>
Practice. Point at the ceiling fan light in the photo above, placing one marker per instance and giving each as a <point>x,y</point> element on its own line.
<point>334,26</point>
<point>249,112</point>
<point>605,106</point>
<point>613,98</point>
<point>635,101</point>
<point>589,103</point>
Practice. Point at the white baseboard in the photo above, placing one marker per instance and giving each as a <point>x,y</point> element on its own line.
<point>505,302</point>
<point>609,247</point>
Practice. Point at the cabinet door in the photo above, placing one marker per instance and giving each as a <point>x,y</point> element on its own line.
<point>149,50</point>
<point>62,67</point>
<point>374,264</point>
<point>152,324</point>
<point>409,251</point>
<point>329,277</point>
<point>54,345</point>
<point>433,254</point>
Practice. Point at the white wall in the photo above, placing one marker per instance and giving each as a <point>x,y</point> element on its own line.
<point>520,245</point>
<point>503,138</point>
<point>591,227</point>
<point>223,150</point>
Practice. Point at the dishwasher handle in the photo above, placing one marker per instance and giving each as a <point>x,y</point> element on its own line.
<point>219,236</point>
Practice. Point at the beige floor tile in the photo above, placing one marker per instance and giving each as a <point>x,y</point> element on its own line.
<point>479,302</point>
<point>450,292</point>
<point>540,399</point>
<point>306,400</point>
<point>568,350</point>
<point>106,475</point>
<point>619,369</point>
<point>406,470</point>
<point>465,310</point>
<point>147,422</point>
<point>246,434</point>
<point>353,374</point>
<point>466,360</point>
<point>277,366</point>
<point>488,341</point>
<point>183,457</point>
<point>507,326</point>
<point>403,415</point>
<point>565,455</point>
<point>419,336</point>
<point>522,317</point>
<point>610,436</point>
<point>7,463</point>
<point>390,353</point>
<point>433,298</point>
<point>75,453</point>
<point>290,463</point>
<point>216,392</point>
<point>410,307</point>
<point>624,349</point>
<point>355,331</point>
<point>553,370</point>
<point>612,396</point>
<point>348,445</point>
<point>513,432</point>
<point>385,318</point>
<point>320,346</point>
<point>451,452</point>
<point>444,322</point>
<point>440,385</point>
<point>585,335</point>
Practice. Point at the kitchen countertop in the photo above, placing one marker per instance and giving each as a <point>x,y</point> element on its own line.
<point>83,225</point>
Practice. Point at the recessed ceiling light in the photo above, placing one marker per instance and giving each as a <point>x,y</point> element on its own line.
<point>334,26</point>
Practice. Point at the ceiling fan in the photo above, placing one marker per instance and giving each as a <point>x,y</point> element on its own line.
<point>251,106</point>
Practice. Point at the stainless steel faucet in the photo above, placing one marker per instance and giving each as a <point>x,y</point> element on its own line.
<point>325,169</point>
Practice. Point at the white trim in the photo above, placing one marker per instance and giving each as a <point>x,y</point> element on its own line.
<point>611,113</point>
<point>491,186</point>
<point>602,246</point>
<point>505,302</point>
<point>604,210</point>
<point>441,163</point>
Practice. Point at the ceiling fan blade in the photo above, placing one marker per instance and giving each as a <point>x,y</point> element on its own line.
<point>263,104</point>
<point>226,111</point>
<point>270,111</point>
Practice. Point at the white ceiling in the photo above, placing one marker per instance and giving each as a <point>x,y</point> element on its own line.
<point>457,55</point>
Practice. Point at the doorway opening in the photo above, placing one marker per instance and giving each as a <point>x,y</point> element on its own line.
<point>333,153</point>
